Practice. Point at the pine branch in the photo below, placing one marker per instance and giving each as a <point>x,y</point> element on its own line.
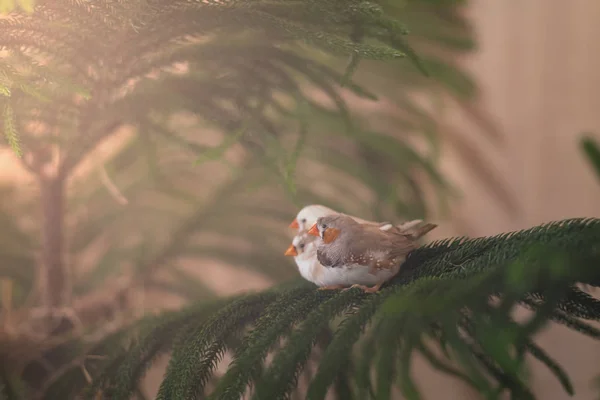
<point>443,296</point>
<point>247,363</point>
<point>78,70</point>
<point>113,46</point>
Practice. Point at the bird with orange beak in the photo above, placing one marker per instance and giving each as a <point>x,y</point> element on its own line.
<point>308,216</point>
<point>363,255</point>
<point>304,251</point>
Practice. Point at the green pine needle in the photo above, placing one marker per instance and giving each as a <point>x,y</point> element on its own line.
<point>552,365</point>
<point>10,130</point>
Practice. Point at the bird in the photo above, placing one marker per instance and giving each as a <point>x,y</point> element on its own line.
<point>308,216</point>
<point>304,251</point>
<point>365,255</point>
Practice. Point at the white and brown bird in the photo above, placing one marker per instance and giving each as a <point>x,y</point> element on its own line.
<point>365,255</point>
<point>304,251</point>
<point>308,216</point>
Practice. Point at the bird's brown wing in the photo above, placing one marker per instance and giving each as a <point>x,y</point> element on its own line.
<point>422,230</point>
<point>402,245</point>
<point>327,261</point>
<point>374,264</point>
<point>369,247</point>
<point>392,246</point>
<point>351,256</point>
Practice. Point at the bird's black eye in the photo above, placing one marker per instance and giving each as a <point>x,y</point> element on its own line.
<point>303,220</point>
<point>301,245</point>
<point>324,226</point>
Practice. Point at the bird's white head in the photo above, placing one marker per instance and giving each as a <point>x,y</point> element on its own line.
<point>308,216</point>
<point>301,246</point>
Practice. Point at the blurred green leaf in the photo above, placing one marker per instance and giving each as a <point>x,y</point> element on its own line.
<point>589,145</point>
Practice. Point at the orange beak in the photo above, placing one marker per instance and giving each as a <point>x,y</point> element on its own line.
<point>314,231</point>
<point>294,224</point>
<point>291,251</point>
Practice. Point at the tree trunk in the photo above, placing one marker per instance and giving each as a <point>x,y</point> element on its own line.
<point>54,274</point>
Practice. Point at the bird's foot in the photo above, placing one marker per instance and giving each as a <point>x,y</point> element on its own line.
<point>373,289</point>
<point>366,289</point>
<point>331,287</point>
<point>356,285</point>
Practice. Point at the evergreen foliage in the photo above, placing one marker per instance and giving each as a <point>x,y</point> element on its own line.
<point>76,74</point>
<point>452,303</point>
<point>107,47</point>
<point>72,73</point>
<point>115,64</point>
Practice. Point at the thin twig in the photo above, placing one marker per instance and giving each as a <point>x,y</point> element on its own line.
<point>86,374</point>
<point>6,286</point>
<point>111,186</point>
<point>96,357</point>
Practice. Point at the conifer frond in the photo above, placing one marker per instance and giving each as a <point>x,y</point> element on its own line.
<point>470,335</point>
<point>150,344</point>
<point>231,63</point>
<point>245,54</point>
<point>77,71</point>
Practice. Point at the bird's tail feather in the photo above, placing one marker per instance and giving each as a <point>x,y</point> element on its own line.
<point>407,226</point>
<point>422,230</point>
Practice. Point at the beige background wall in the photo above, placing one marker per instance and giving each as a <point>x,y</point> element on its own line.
<point>538,67</point>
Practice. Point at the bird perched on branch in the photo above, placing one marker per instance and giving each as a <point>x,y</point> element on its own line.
<point>304,251</point>
<point>365,256</point>
<point>308,216</point>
